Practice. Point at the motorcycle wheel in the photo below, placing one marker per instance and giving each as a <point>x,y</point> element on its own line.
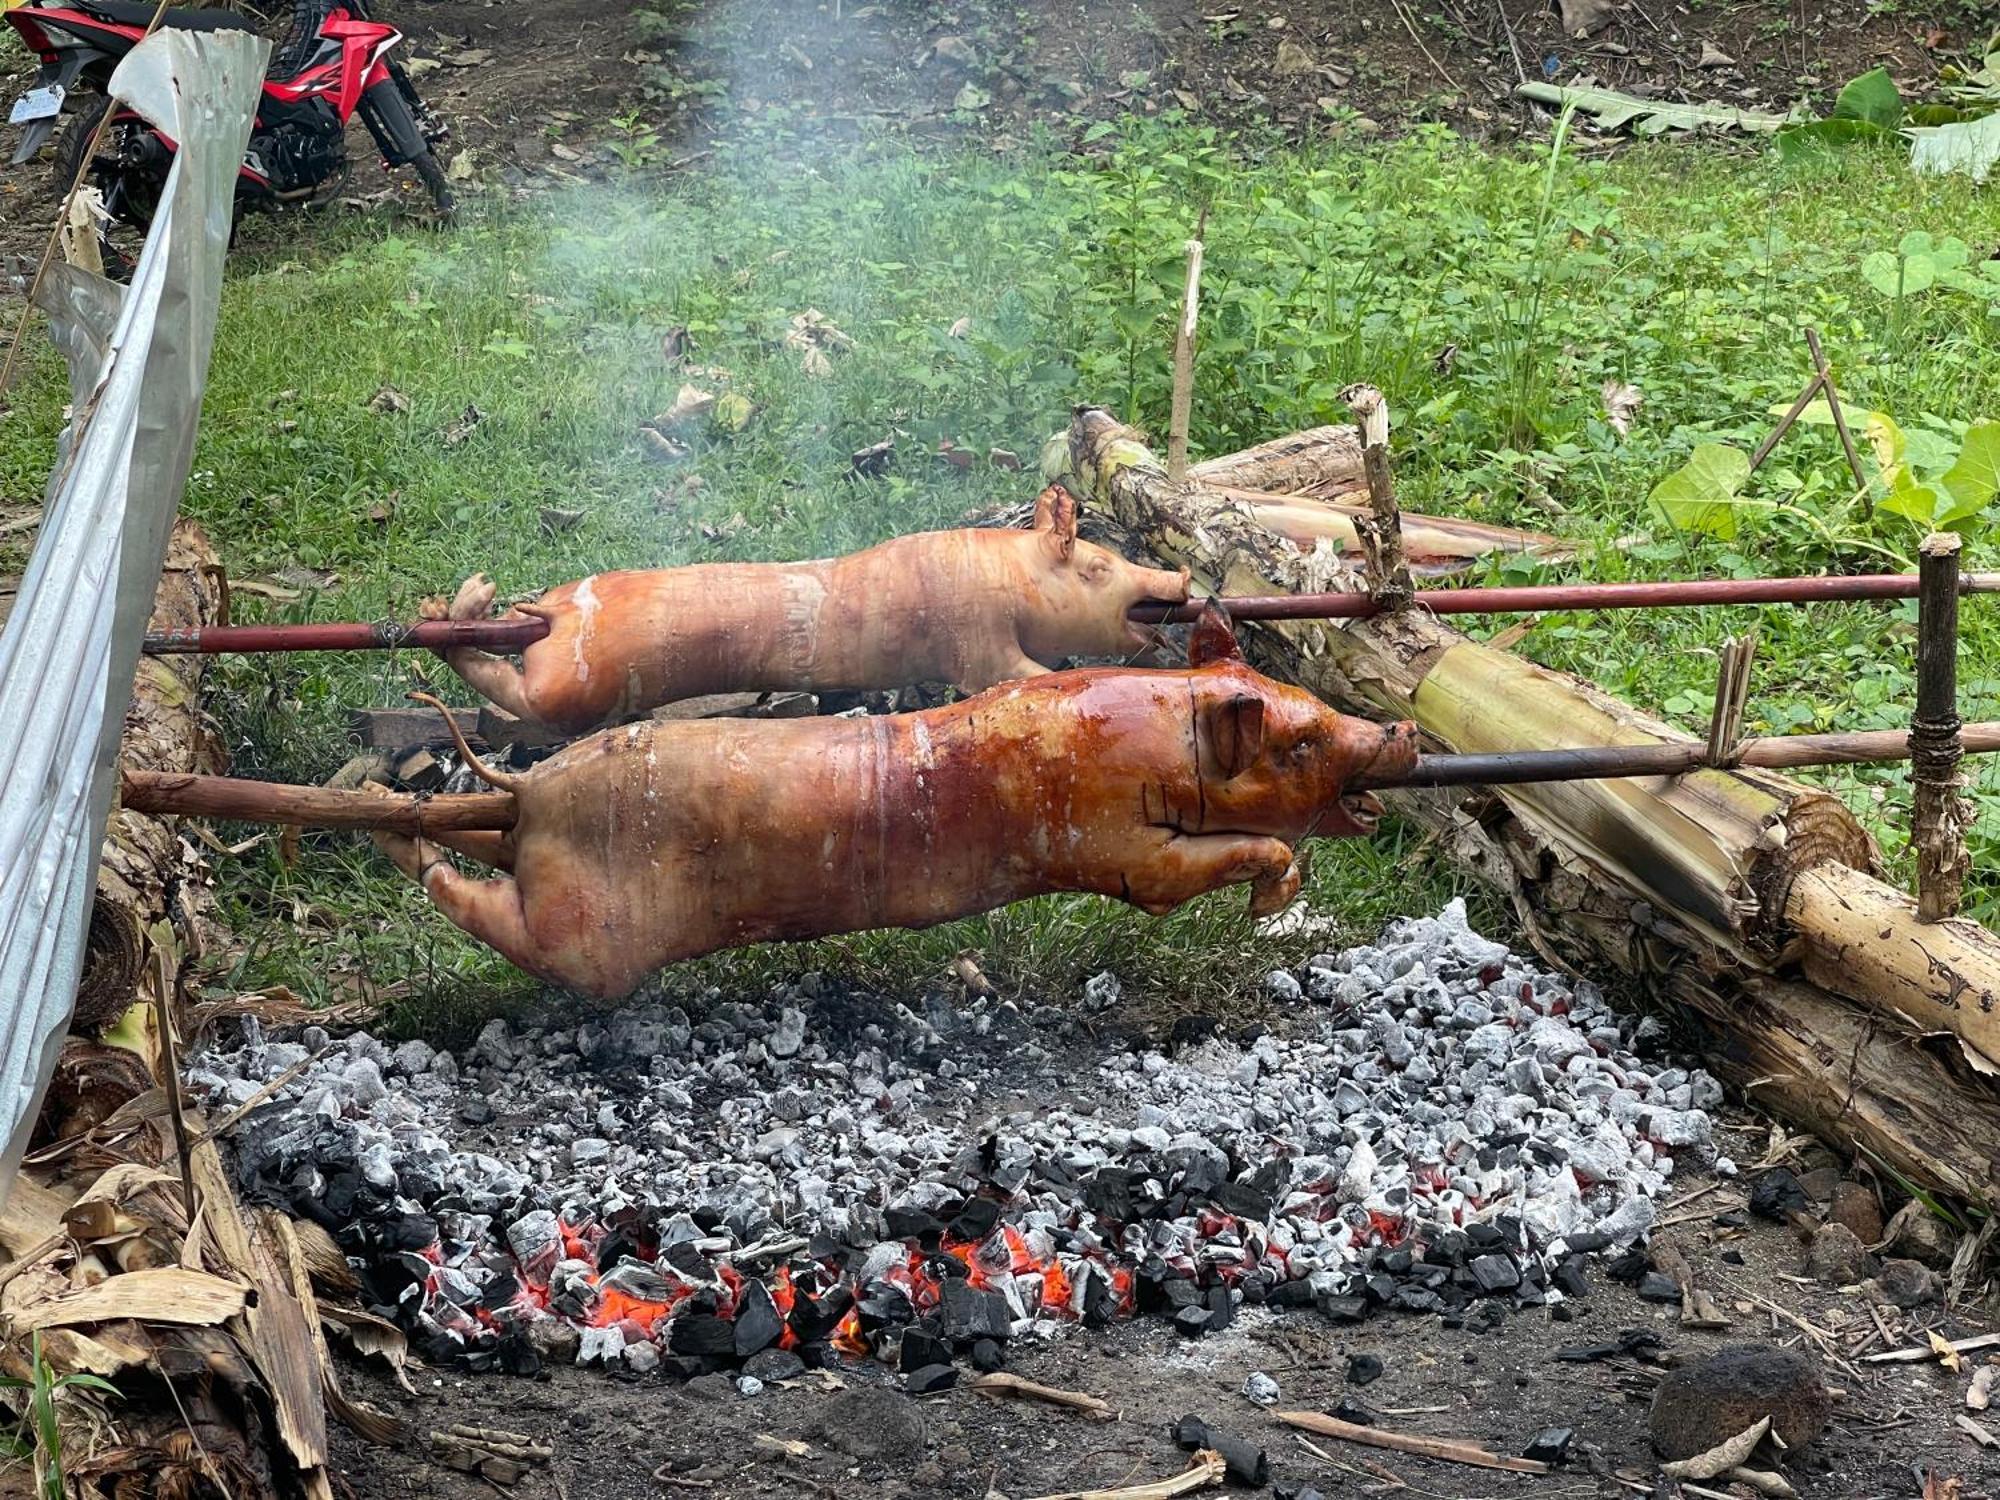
<point>434,179</point>
<point>72,154</point>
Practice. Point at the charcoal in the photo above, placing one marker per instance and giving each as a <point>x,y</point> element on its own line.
<point>757,1323</point>
<point>987,1356</point>
<point>1193,1321</point>
<point>1569,1278</point>
<point>1245,1463</point>
<point>975,1221</point>
<point>1242,1200</point>
<point>1587,1240</point>
<point>1495,1273</point>
<point>1775,1192</point>
<point>970,1313</point>
<point>1363,1369</point>
<point>701,1333</point>
<point>920,1349</point>
<point>914,1224</point>
<point>773,1365</point>
<point>1343,1309</point>
<point>1657,1286</point>
<point>1350,1410</point>
<point>1221,1308</point>
<point>884,1305</point>
<point>1298,1491</point>
<point>1180,1292</point>
<point>930,1378</point>
<point>1550,1445</point>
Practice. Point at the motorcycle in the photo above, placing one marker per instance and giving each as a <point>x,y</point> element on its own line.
<point>333,64</point>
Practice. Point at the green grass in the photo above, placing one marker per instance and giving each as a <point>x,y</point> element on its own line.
<point>1687,270</point>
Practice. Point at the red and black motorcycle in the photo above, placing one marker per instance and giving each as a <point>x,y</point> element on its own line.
<point>333,64</point>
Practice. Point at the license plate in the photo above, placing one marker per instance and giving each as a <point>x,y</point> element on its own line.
<point>37,104</point>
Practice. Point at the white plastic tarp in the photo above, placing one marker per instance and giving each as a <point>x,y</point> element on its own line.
<point>138,359</point>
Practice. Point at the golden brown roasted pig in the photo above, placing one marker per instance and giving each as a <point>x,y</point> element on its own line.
<point>971,608</point>
<point>663,841</point>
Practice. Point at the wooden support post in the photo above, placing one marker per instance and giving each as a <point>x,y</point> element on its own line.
<point>1177,423</point>
<point>1839,419</point>
<point>1938,827</point>
<point>1381,534</point>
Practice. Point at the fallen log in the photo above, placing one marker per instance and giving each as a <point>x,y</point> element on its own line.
<point>1694,886</point>
<point>146,875</point>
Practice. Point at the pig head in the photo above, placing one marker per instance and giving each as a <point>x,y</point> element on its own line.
<point>971,607</point>
<point>657,842</point>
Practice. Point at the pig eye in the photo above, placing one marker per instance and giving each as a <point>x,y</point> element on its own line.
<point>1096,570</point>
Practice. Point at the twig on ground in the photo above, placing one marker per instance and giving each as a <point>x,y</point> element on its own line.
<point>1410,26</point>
<point>1002,1383</point>
<point>1204,1472</point>
<point>1451,1450</point>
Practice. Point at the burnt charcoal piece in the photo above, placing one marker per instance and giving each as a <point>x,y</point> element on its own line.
<point>758,1325</point>
<point>1587,1354</point>
<point>1100,1306</point>
<point>1733,1218</point>
<point>1294,1293</point>
<point>1363,1369</point>
<point>701,1333</point>
<point>812,1321</point>
<point>1640,1343</point>
<point>1495,1273</point>
<point>517,1356</point>
<point>921,1349</point>
<point>1775,1193</point>
<point>1451,1246</point>
<point>1381,1288</point>
<point>885,1305</point>
<point>1188,1030</point>
<point>773,1365</point>
<point>1192,1321</point>
<point>1550,1445</point>
<point>614,1247</point>
<point>1629,1267</point>
<point>1418,1299</point>
<point>1657,1286</point>
<point>1221,1308</point>
<point>1108,1194</point>
<point>930,1378</point>
<point>683,1366</point>
<point>1299,1491</point>
<point>1398,1262</point>
<point>914,1224</point>
<point>987,1356</point>
<point>1569,1277</point>
<point>683,1257</point>
<point>1350,1410</point>
<point>1242,1200</point>
<point>1732,1257</point>
<point>1562,1312</point>
<point>1179,1292</point>
<point>1486,1318</point>
<point>1587,1241</point>
<point>476,1112</point>
<point>975,1221</point>
<point>1485,1237</point>
<point>972,1314</point>
<point>1343,1309</point>
<point>1244,1461</point>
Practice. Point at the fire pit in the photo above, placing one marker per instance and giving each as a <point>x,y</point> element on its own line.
<point>1432,1125</point>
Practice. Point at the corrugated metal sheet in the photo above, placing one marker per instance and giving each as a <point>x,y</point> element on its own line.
<point>138,359</point>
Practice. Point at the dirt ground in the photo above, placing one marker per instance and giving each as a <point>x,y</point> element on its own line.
<point>611,1433</point>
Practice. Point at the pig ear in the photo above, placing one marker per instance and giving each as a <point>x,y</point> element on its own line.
<point>1236,726</point>
<point>1055,518</point>
<point>1213,639</point>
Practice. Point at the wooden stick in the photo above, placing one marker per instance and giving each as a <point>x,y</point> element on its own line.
<point>1382,540</point>
<point>1785,422</point>
<point>314,806</point>
<point>1177,425</point>
<point>1206,1470</point>
<point>1001,1383</point>
<point>1911,1356</point>
<point>1449,1449</point>
<point>1839,420</point>
<point>1732,695</point>
<point>1938,824</point>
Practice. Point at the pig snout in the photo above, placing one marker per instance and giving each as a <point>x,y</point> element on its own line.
<point>1275,760</point>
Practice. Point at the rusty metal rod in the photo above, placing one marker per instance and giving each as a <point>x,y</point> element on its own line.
<point>1607,762</point>
<point>517,635</point>
<point>328,807</point>
<point>1533,598</point>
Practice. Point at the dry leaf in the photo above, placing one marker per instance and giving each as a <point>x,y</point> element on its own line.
<point>959,328</point>
<point>816,365</point>
<point>674,342</point>
<point>555,522</point>
<point>955,49</point>
<point>1947,1356</point>
<point>1724,1455</point>
<point>472,57</point>
<point>1978,1433</point>
<point>1582,17</point>
<point>1001,458</point>
<point>1621,401</point>
<point>874,461</point>
<point>1293,60</point>
<point>659,446</point>
<point>387,400</point>
<point>691,405</point>
<point>163,1294</point>
<point>1979,1395</point>
<point>1713,56</point>
<point>460,430</point>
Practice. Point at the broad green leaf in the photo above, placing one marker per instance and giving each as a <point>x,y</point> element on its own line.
<point>1926,451</point>
<point>1796,141</point>
<point>1971,147</point>
<point>1884,272</point>
<point>1916,242</point>
<point>1873,97</point>
<point>1701,495</point>
<point>1611,109</point>
<point>1975,478</point>
<point>1887,439</point>
<point>1919,502</point>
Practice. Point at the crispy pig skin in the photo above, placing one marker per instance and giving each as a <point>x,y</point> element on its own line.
<point>657,842</point>
<point>971,607</point>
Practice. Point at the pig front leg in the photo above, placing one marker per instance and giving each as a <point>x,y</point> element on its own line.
<point>494,678</point>
<point>488,909</point>
<point>1182,866</point>
<point>1006,664</point>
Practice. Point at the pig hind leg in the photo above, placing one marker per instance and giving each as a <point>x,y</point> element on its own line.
<point>1007,664</point>
<point>494,850</point>
<point>1184,866</point>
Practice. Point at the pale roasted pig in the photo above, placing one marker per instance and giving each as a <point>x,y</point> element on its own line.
<point>972,607</point>
<point>662,841</point>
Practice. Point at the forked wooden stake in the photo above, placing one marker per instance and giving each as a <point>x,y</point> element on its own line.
<point>1936,742</point>
<point>1381,534</point>
<point>1177,423</point>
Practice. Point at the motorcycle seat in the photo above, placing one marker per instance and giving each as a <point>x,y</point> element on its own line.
<point>135,13</point>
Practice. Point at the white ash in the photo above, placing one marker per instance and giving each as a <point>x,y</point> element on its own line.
<point>1427,1083</point>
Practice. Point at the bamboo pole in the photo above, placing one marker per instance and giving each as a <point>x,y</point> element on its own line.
<point>1938,824</point>
<point>1388,575</point>
<point>1183,403</point>
<point>1685,884</point>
